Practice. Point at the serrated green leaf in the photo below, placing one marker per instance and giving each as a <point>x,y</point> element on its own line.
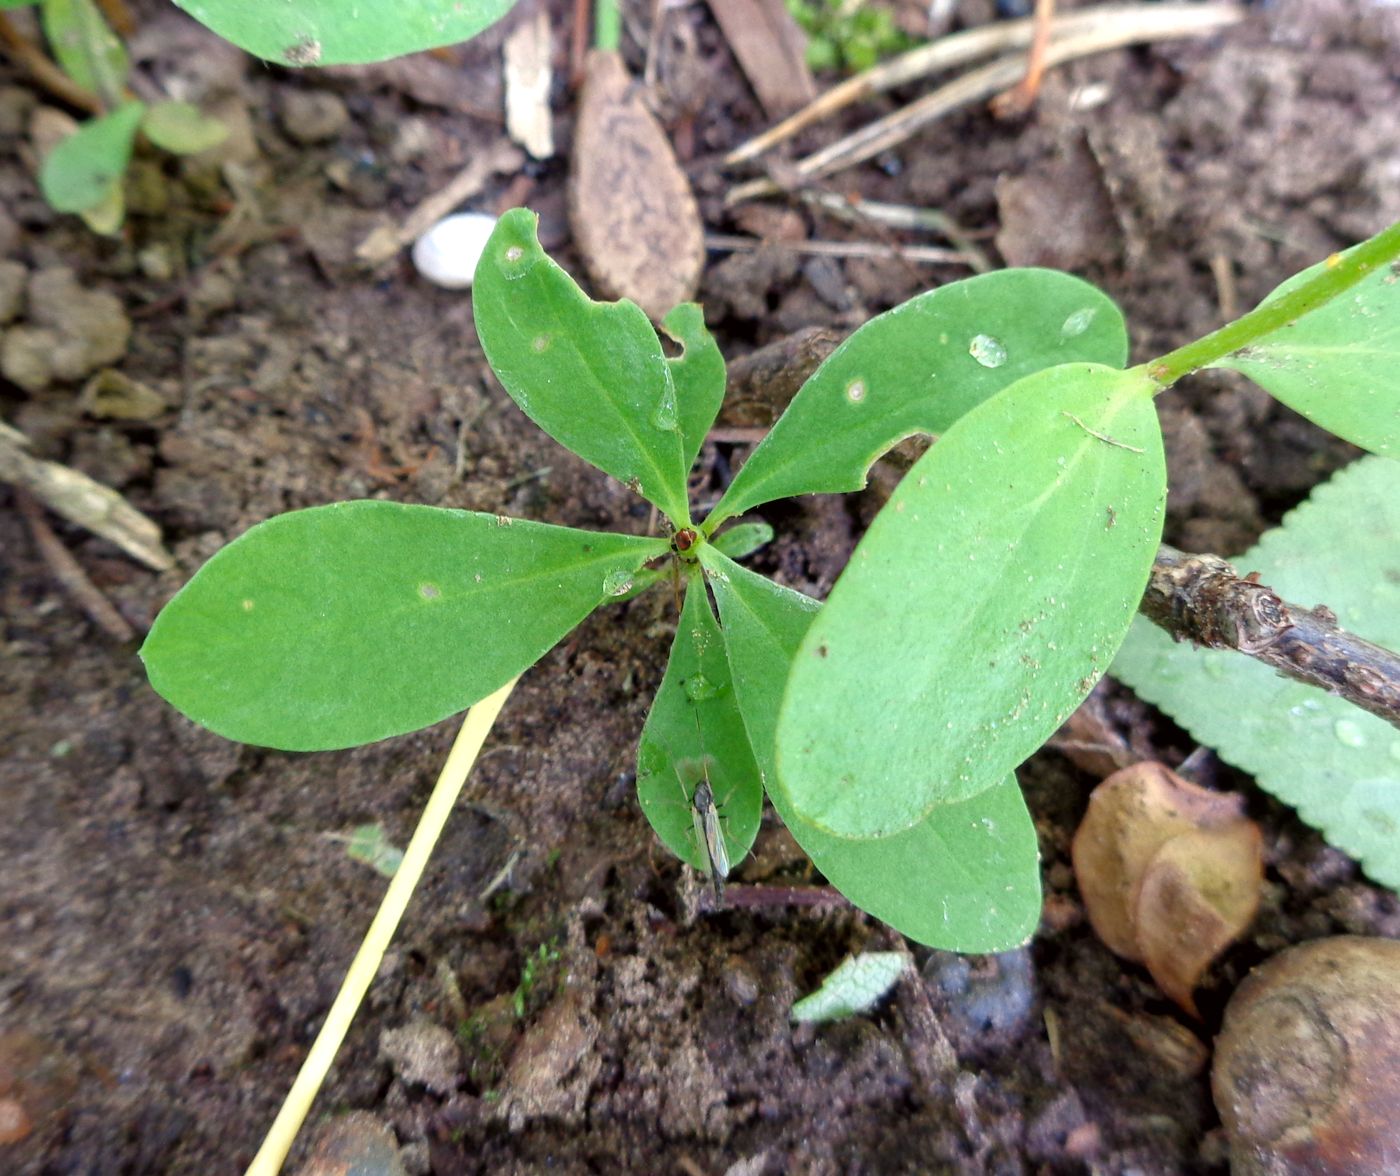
<point>1339,766</point>
<point>745,539</point>
<point>85,48</point>
<point>344,32</point>
<point>859,983</point>
<point>966,878</point>
<point>695,732</point>
<point>1337,364</point>
<point>917,369</point>
<point>698,374</point>
<point>82,171</point>
<point>591,374</point>
<point>182,128</point>
<point>344,624</point>
<point>982,605</point>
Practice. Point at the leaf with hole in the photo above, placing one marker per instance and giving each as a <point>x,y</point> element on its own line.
<point>591,374</point>
<point>965,878</point>
<point>344,32</point>
<point>917,369</point>
<point>694,733</point>
<point>348,623</point>
<point>981,606</point>
<point>1336,365</point>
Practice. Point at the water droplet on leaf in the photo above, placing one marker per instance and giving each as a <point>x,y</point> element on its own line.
<point>1078,322</point>
<point>987,350</point>
<point>665,417</point>
<point>617,582</point>
<point>1348,733</point>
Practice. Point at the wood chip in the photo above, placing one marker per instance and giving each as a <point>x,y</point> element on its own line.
<point>633,214</point>
<point>528,76</point>
<point>771,50</point>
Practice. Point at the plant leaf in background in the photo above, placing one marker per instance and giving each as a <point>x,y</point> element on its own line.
<point>1336,364</point>
<point>968,625</point>
<point>182,128</point>
<point>85,170</point>
<point>917,369</point>
<point>343,32</point>
<point>744,539</point>
<point>370,845</point>
<point>965,878</point>
<point>695,721</point>
<point>85,48</point>
<point>344,624</point>
<point>698,374</point>
<point>858,984</point>
<point>591,374</point>
<point>1337,765</point>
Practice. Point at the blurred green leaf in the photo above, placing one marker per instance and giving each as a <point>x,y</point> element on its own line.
<point>344,624</point>
<point>370,845</point>
<point>343,32</point>
<point>1337,765</point>
<point>86,169</point>
<point>981,606</point>
<point>591,374</point>
<point>182,128</point>
<point>917,369</point>
<point>85,48</point>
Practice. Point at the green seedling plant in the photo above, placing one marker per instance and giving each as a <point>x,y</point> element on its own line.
<point>84,173</point>
<point>984,602</point>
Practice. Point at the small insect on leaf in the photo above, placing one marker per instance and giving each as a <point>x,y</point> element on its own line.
<point>707,833</point>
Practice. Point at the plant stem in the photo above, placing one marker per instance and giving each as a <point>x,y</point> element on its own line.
<point>1339,273</point>
<point>460,759</point>
<point>607,25</point>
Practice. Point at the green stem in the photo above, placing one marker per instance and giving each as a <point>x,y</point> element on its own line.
<point>607,25</point>
<point>1340,272</point>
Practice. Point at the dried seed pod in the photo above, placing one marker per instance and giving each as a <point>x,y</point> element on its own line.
<point>1170,873</point>
<point>634,216</point>
<point>1307,1065</point>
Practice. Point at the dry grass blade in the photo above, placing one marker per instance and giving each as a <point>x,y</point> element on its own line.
<point>1112,29</point>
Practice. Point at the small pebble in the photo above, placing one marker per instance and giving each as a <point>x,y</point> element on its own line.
<point>447,253</point>
<point>313,116</point>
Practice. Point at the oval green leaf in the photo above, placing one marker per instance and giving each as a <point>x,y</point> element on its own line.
<point>85,47</point>
<point>965,878</point>
<point>1337,364</point>
<point>344,32</point>
<point>698,374</point>
<point>344,624</point>
<point>695,732</point>
<point>917,369</point>
<point>591,374</point>
<point>84,170</point>
<point>982,605</point>
<point>182,128</point>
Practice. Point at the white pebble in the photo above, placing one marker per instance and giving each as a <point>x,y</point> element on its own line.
<point>448,252</point>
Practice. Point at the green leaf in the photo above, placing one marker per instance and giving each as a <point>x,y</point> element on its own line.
<point>182,128</point>
<point>965,878</point>
<point>1337,364</point>
<point>859,983</point>
<point>917,369</point>
<point>695,732</point>
<point>344,32</point>
<point>344,624</point>
<point>745,539</point>
<point>85,48</point>
<point>1339,766</point>
<point>84,170</point>
<point>982,605</point>
<point>370,845</point>
<point>698,374</point>
<point>591,374</point>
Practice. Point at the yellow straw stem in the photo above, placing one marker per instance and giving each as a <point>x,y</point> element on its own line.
<point>465,749</point>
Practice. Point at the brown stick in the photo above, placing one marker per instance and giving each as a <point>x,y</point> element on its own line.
<point>69,573</point>
<point>1202,599</point>
<point>1021,97</point>
<point>31,59</point>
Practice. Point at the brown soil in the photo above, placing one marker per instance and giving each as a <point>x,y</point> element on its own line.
<point>174,918</point>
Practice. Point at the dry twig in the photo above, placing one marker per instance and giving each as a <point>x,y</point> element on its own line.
<point>1202,599</point>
